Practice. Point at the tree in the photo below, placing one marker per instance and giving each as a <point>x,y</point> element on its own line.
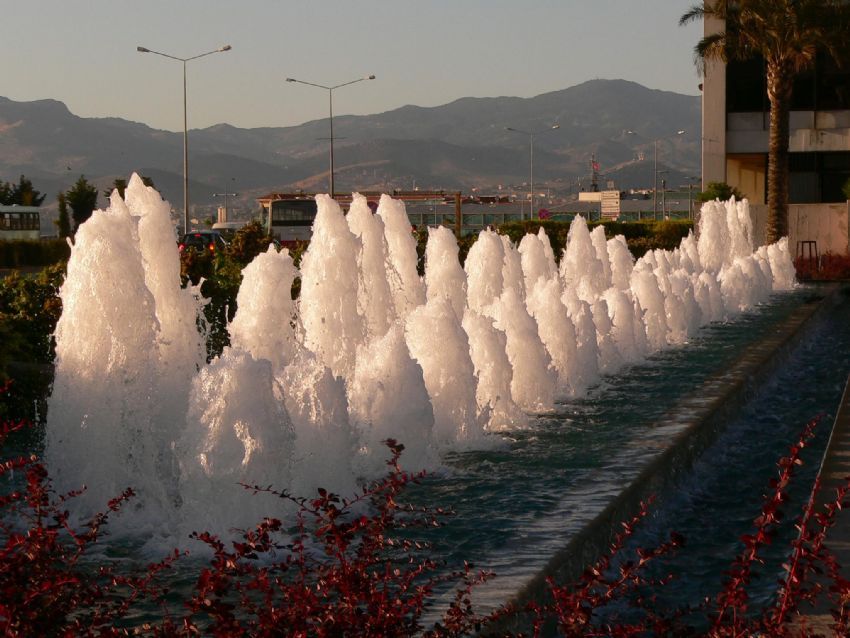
<point>5,194</point>
<point>64,221</point>
<point>120,185</point>
<point>719,190</point>
<point>82,198</point>
<point>787,34</point>
<point>248,242</point>
<point>21,194</point>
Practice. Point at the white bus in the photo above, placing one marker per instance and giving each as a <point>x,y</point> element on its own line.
<point>20,222</point>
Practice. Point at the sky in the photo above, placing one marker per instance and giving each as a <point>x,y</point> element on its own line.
<point>425,52</point>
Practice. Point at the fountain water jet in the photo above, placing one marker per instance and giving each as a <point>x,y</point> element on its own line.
<point>309,389</point>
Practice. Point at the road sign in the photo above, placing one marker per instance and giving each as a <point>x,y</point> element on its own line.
<point>611,204</point>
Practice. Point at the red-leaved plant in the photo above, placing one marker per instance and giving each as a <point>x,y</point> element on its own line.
<point>353,568</point>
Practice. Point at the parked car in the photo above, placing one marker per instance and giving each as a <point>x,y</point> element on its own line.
<point>202,241</point>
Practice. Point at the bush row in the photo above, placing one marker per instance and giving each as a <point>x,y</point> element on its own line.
<point>17,253</point>
<point>641,237</point>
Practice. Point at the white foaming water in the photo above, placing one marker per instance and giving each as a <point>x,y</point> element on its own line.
<point>308,390</point>
<point>374,297</point>
<point>444,277</point>
<point>333,327</point>
<point>236,431</point>
<point>407,288</point>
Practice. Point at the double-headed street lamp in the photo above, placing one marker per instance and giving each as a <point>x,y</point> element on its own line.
<point>185,126</point>
<point>330,90</point>
<point>531,144</point>
<point>225,195</point>
<point>655,177</point>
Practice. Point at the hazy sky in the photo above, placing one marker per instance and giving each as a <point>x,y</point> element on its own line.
<point>425,52</point>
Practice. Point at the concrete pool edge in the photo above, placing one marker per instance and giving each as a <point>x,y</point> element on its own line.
<point>684,432</point>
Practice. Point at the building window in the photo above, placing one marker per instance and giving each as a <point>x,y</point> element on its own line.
<point>825,87</point>
<point>817,177</point>
<point>746,90</point>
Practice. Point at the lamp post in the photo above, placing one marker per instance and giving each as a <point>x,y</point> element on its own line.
<point>225,195</point>
<point>691,179</point>
<point>226,47</point>
<point>531,163</point>
<point>655,177</point>
<point>330,90</point>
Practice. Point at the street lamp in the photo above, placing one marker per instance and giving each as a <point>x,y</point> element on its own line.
<point>531,145</point>
<point>226,47</point>
<point>691,179</point>
<point>225,195</point>
<point>655,178</point>
<point>330,90</point>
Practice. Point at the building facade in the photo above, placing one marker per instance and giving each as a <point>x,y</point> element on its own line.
<point>736,125</point>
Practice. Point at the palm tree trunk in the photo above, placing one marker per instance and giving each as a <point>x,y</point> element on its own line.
<point>779,93</point>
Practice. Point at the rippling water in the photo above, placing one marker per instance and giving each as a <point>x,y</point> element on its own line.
<point>519,505</point>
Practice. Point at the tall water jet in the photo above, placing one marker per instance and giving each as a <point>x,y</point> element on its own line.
<point>483,267</point>
<point>648,293</point>
<point>609,355</point>
<point>388,399</point>
<point>581,268</point>
<point>326,443</point>
<point>534,262</point>
<point>439,344</point>
<point>533,383</point>
<point>444,276</point>
<point>493,372</point>
<point>408,291</point>
<point>105,400</point>
<point>374,297</point>
<point>236,432</point>
<point>265,319</point>
<point>631,345</point>
<point>556,331</point>
<point>587,348</point>
<point>600,245</point>
<point>512,275</point>
<point>329,284</point>
<point>622,262</point>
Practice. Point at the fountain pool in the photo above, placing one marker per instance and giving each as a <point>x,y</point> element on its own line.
<point>517,380</point>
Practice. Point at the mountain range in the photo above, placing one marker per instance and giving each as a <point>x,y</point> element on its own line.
<point>462,145</point>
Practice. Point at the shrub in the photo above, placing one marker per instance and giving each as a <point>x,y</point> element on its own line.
<point>20,253</point>
<point>45,590</point>
<point>719,190</point>
<point>640,236</point>
<point>29,310</point>
<point>828,267</point>
<point>354,568</point>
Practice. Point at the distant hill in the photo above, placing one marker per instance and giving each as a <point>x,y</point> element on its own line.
<point>460,145</point>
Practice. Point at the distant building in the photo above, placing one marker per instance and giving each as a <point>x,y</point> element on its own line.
<point>290,216</point>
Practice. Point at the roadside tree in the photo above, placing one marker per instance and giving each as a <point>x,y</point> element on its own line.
<point>82,198</point>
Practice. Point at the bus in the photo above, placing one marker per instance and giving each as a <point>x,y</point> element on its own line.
<point>20,222</point>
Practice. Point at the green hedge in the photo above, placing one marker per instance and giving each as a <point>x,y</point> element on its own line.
<point>640,236</point>
<point>18,253</point>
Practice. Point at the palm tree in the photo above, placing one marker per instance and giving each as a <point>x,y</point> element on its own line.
<point>787,34</point>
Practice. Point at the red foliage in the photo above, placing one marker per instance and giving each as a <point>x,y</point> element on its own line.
<point>44,589</point>
<point>353,568</point>
<point>828,267</point>
<point>341,572</point>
